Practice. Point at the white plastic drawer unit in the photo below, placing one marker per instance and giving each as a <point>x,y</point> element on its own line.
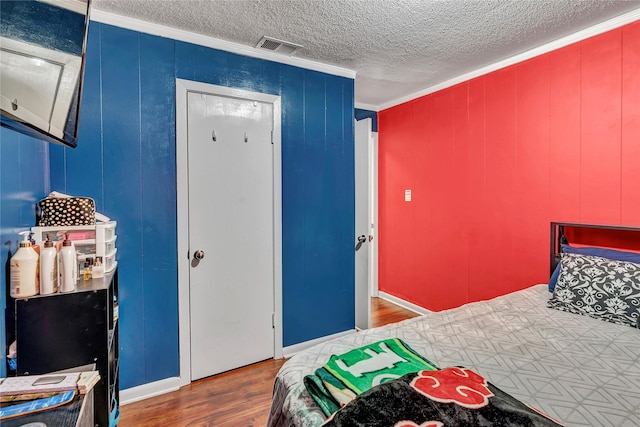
<point>110,262</point>
<point>89,240</point>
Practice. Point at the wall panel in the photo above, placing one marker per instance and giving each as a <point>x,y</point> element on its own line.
<point>419,232</point>
<point>460,222</point>
<point>630,149</point>
<point>157,136</point>
<point>396,258</point>
<point>441,193</point>
<point>499,208</point>
<point>564,133</point>
<point>24,180</point>
<point>478,233</point>
<point>532,164</point>
<point>123,189</point>
<point>600,128</point>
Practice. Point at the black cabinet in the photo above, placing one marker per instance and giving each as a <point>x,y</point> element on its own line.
<point>67,330</point>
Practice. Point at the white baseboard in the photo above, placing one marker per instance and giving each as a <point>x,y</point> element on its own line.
<point>296,348</point>
<point>145,391</point>
<point>404,304</point>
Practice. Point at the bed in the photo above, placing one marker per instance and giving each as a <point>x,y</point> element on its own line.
<point>576,368</point>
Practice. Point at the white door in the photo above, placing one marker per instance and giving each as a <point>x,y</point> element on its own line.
<point>361,154</point>
<point>231,232</point>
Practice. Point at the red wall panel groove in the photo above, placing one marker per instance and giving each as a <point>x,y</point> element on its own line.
<point>493,160</point>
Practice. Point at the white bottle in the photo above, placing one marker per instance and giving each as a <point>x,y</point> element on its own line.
<point>48,268</point>
<point>97,270</point>
<point>24,270</point>
<point>68,266</point>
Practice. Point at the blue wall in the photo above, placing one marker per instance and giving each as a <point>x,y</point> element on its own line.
<point>24,180</point>
<point>125,160</point>
<point>360,114</point>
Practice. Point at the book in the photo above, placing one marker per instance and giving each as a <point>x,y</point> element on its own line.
<point>37,405</point>
<point>36,384</point>
<point>87,380</point>
<point>32,396</point>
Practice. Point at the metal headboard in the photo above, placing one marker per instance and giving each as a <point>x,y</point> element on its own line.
<point>558,237</point>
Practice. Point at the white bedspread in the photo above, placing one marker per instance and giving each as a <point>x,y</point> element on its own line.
<point>582,371</point>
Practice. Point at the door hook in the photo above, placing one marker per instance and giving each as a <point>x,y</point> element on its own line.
<point>213,136</point>
<point>246,137</point>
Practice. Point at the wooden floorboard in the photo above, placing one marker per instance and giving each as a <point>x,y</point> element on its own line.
<point>239,398</point>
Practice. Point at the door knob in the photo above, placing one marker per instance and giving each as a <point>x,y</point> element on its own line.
<point>199,254</point>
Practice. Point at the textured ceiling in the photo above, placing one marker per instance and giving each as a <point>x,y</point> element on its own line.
<point>397,47</point>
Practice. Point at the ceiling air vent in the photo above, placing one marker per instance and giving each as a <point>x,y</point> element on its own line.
<point>279,46</point>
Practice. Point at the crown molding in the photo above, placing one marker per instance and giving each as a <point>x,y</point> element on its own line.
<point>77,6</point>
<point>189,37</point>
<point>600,28</point>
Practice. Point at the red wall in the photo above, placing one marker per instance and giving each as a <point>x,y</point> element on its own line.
<point>493,160</point>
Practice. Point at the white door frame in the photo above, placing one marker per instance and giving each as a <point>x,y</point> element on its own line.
<point>362,173</point>
<point>182,187</point>
<point>373,213</point>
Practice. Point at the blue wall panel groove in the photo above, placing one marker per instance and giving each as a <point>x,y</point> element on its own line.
<point>120,69</point>
<point>126,160</point>
<point>293,213</point>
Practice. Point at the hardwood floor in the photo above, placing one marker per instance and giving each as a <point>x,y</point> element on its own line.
<point>384,312</point>
<point>239,398</point>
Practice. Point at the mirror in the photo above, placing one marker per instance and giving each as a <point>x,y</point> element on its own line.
<point>42,45</point>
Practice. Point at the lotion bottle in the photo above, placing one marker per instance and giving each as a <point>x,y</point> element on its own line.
<point>24,270</point>
<point>48,268</point>
<point>36,248</point>
<point>68,267</point>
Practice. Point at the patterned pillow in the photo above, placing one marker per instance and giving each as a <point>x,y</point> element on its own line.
<point>598,287</point>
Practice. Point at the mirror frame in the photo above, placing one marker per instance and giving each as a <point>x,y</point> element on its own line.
<point>22,125</point>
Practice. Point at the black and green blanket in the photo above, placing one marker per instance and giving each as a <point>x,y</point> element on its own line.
<point>448,397</point>
<point>387,383</point>
<point>350,374</point>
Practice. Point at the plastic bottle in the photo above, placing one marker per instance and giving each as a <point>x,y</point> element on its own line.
<point>24,270</point>
<point>36,248</point>
<point>97,270</point>
<point>48,268</point>
<point>86,274</point>
<point>68,267</point>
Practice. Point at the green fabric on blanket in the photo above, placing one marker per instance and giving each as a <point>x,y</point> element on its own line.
<point>347,375</point>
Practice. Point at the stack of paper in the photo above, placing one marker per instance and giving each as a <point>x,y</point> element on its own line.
<point>35,384</point>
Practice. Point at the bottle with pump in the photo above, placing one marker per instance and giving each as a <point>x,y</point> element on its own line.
<point>34,245</point>
<point>24,270</point>
<point>68,265</point>
<point>48,268</point>
<point>36,248</point>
